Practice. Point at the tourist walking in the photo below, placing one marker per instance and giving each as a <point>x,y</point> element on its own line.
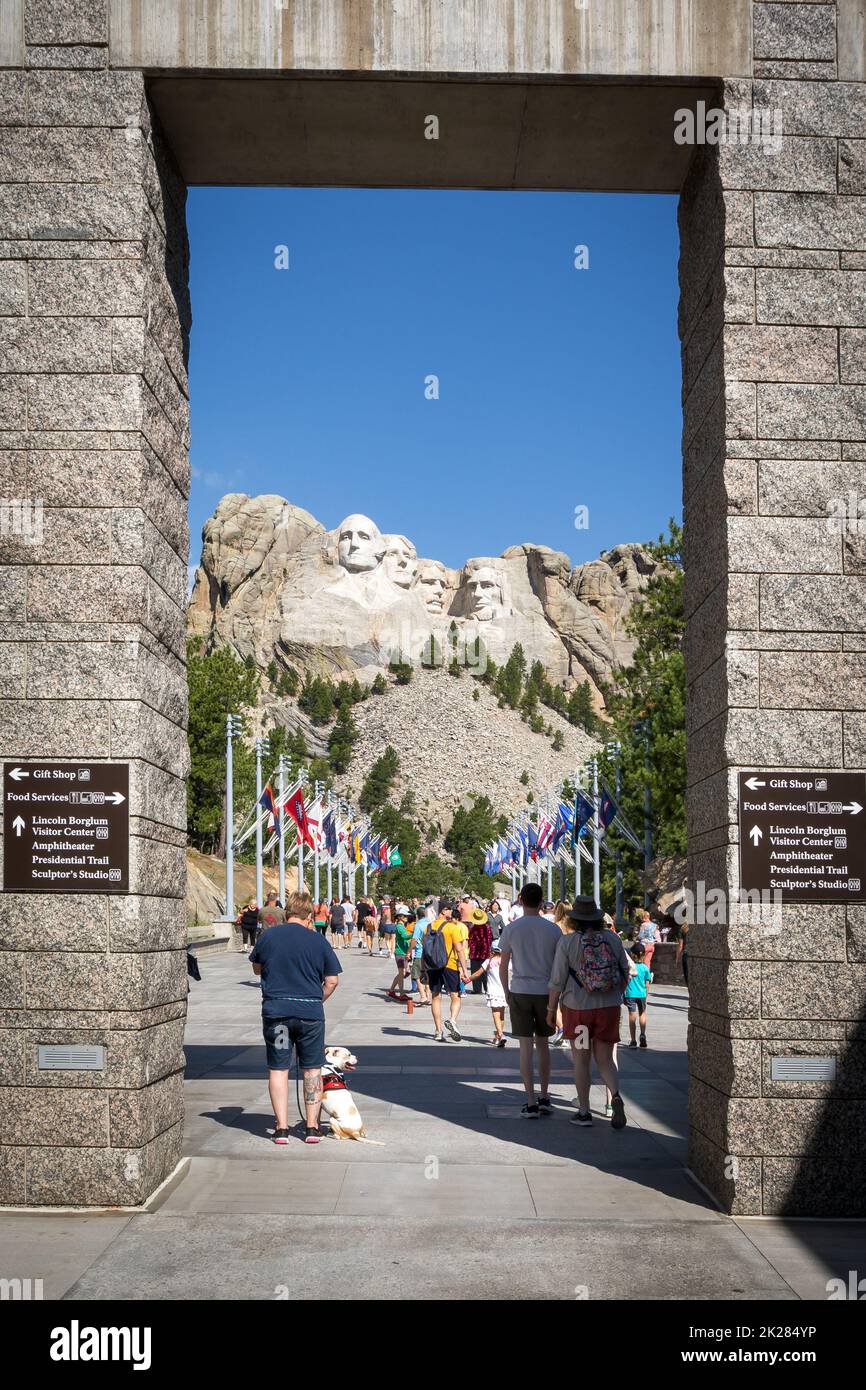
<point>366,916</point>
<point>635,997</point>
<point>648,935</point>
<point>590,972</point>
<point>337,920</point>
<point>320,917</point>
<point>420,982</point>
<point>529,945</point>
<point>480,942</point>
<point>272,914</point>
<point>386,928</point>
<point>495,918</point>
<point>402,946</point>
<point>299,971</point>
<point>496,1001</point>
<point>248,921</point>
<point>443,950</point>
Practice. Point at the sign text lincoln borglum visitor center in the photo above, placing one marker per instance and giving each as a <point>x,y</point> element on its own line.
<point>803,834</point>
<point>66,827</point>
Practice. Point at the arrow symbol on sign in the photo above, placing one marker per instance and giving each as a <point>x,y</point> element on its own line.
<point>17,773</point>
<point>756,834</point>
<point>855,808</point>
<point>752,783</point>
<point>116,797</point>
<point>18,825</point>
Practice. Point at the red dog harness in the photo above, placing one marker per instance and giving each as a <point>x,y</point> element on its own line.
<point>332,1079</point>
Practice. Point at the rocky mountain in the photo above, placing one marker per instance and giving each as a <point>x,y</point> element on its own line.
<point>275,585</point>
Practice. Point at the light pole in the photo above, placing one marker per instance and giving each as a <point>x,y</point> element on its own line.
<point>262,748</point>
<point>613,749</point>
<point>330,862</point>
<point>645,728</point>
<point>234,726</point>
<point>596,847</point>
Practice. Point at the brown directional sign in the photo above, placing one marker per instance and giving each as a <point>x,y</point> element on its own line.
<point>803,834</point>
<point>66,827</point>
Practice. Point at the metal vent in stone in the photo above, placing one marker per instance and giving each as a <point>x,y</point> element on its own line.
<point>71,1057</point>
<point>803,1069</point>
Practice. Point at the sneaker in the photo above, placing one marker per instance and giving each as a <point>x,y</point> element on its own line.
<point>545,1105</point>
<point>643,1041</point>
<point>281,1136</point>
<point>608,1111</point>
<point>618,1121</point>
<point>452,1030</point>
<point>439,1037</point>
<point>581,1118</point>
<point>632,1043</point>
<point>501,1042</point>
<point>530,1112</point>
<point>313,1135</point>
<point>558,1039</point>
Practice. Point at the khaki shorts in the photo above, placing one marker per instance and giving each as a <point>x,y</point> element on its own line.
<point>419,971</point>
<point>529,1016</point>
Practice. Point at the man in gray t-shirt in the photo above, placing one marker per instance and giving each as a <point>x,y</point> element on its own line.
<point>528,947</point>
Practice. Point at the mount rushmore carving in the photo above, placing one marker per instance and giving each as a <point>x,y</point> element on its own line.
<point>274,584</point>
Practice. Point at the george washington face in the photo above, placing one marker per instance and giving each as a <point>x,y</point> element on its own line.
<point>361,544</point>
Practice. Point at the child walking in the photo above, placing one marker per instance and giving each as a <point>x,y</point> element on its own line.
<point>489,969</point>
<point>636,994</point>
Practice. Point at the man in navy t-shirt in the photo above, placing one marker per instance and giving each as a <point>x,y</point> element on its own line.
<point>299,971</point>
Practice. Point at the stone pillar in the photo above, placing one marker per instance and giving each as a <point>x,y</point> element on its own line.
<point>773,326</point>
<point>94,424</point>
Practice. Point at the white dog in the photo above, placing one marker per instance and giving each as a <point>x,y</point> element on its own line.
<point>337,1103</point>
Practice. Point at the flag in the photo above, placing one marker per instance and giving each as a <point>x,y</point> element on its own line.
<point>545,836</point>
<point>394,859</point>
<point>583,814</point>
<point>297,811</point>
<point>607,809</point>
<point>488,863</point>
<point>269,801</point>
<point>532,837</point>
<point>329,831</point>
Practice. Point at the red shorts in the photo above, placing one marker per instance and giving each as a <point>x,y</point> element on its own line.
<point>602,1025</point>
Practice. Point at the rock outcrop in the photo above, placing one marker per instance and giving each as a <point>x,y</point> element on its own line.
<point>275,585</point>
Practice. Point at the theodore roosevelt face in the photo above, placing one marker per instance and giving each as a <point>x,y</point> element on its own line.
<point>431,582</point>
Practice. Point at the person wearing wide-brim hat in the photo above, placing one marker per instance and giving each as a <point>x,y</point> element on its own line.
<point>480,944</point>
<point>589,975</point>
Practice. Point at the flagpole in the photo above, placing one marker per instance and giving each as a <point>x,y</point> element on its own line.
<point>301,884</point>
<point>261,747</point>
<point>596,848</point>
<point>316,883</point>
<point>282,832</point>
<point>330,860</point>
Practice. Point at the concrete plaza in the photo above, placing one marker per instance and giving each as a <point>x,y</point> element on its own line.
<point>459,1197</point>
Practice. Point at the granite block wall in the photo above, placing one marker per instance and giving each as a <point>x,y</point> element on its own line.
<point>773,286</point>
<point>94,321</point>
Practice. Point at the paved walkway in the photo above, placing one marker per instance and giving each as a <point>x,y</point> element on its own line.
<point>462,1198</point>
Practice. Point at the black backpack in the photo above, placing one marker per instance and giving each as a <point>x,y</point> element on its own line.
<point>434,952</point>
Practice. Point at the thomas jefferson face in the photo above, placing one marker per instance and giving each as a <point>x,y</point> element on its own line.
<point>361,544</point>
<point>484,587</point>
<point>401,561</point>
<point>431,583</point>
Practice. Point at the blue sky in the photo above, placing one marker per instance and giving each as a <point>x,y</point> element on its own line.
<point>558,387</point>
